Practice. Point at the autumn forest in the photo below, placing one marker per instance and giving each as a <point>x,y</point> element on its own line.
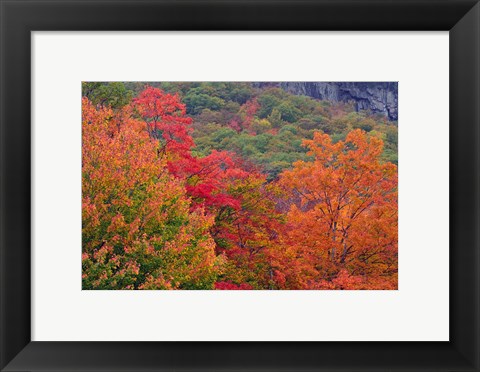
<point>235,186</point>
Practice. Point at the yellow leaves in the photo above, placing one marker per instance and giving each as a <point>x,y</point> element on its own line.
<point>220,263</point>
<point>136,211</point>
<point>117,222</point>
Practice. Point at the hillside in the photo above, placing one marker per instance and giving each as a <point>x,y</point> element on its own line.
<point>265,123</point>
<point>226,185</point>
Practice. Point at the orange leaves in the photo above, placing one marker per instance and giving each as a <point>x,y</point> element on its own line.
<point>344,213</point>
<point>136,215</point>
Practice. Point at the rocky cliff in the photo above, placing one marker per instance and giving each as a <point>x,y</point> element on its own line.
<point>378,97</point>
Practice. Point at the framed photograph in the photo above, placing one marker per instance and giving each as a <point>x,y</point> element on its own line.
<point>239,185</point>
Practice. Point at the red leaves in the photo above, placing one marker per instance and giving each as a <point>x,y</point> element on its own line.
<point>207,179</point>
<point>165,117</point>
<point>248,111</point>
<point>244,120</point>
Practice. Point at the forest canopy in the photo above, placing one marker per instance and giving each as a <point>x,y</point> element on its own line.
<point>235,186</point>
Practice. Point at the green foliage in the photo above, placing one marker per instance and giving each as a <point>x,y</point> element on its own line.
<point>275,117</point>
<point>271,138</point>
<point>267,102</point>
<point>114,95</point>
<point>289,112</point>
<point>196,102</point>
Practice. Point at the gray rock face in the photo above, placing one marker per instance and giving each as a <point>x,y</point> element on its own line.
<point>378,97</point>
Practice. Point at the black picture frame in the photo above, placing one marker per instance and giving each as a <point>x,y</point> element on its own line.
<point>18,18</point>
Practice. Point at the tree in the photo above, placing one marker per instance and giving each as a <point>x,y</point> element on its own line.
<point>114,94</point>
<point>223,186</point>
<point>137,225</point>
<point>196,102</point>
<point>247,113</point>
<point>343,217</point>
<point>247,235</point>
<point>166,120</point>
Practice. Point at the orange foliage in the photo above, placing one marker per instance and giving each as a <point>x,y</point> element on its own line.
<point>138,231</point>
<point>342,225</point>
